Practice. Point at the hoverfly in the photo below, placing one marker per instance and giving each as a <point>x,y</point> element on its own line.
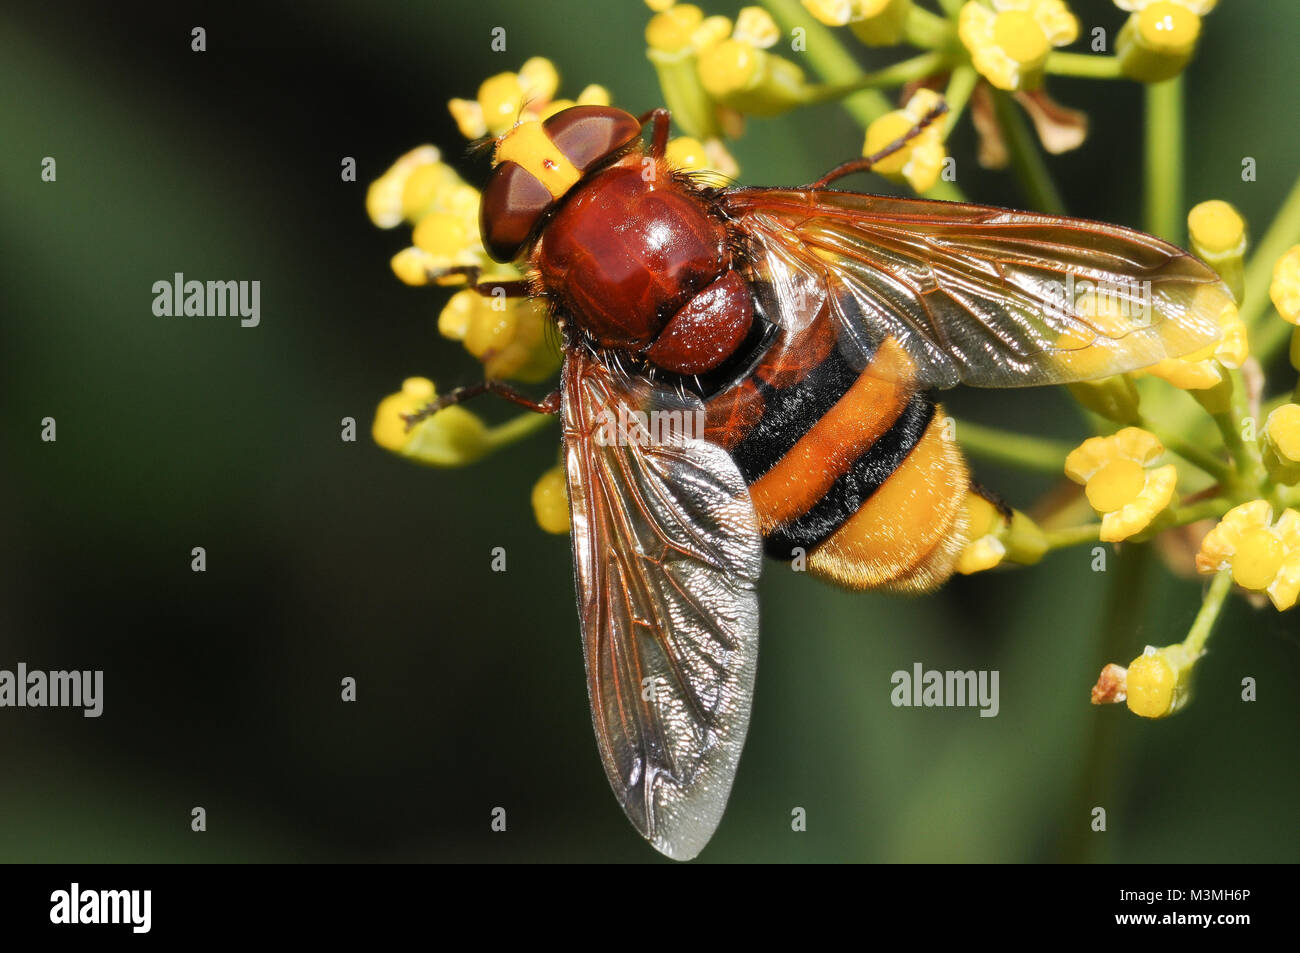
<point>808,328</point>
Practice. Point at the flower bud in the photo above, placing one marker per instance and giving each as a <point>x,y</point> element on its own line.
<point>751,80</point>
<point>1115,398</point>
<point>1157,42</point>
<point>452,437</point>
<point>551,501</point>
<point>1159,681</point>
<point>1218,237</point>
<point>1280,443</point>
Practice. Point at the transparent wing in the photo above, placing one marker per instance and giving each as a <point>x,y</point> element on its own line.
<point>667,552</point>
<point>980,295</point>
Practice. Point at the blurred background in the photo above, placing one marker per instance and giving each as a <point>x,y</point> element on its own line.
<point>328,559</point>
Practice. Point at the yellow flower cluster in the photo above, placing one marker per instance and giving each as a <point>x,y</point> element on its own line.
<point>509,98</point>
<point>874,22</point>
<point>920,161</point>
<point>995,538</point>
<point>452,437</point>
<point>507,334</point>
<point>1280,444</point>
<point>711,69</point>
<point>1009,44</point>
<point>1156,684</point>
<point>551,501</point>
<point>1159,681</point>
<point>1264,556</point>
<point>1121,482</point>
<point>425,192</point>
<point>1207,368</point>
<point>1284,289</point>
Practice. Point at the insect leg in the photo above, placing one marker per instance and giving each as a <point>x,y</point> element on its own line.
<point>865,164</point>
<point>659,141</point>
<point>550,404</point>
<point>511,289</point>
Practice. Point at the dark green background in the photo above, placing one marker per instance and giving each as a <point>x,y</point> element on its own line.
<point>328,559</point>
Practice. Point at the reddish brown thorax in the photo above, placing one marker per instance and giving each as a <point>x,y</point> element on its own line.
<point>631,253</point>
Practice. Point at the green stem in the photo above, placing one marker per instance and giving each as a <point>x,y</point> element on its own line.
<point>1072,535</point>
<point>1091,532</point>
<point>829,59</point>
<point>957,95</point>
<point>926,29</point>
<point>952,7</point>
<point>1268,337</point>
<point>1212,464</point>
<point>1094,784</point>
<point>1026,160</point>
<point>836,66</point>
<point>1204,510</point>
<point>918,67</point>
<point>515,429</point>
<point>1013,449</point>
<point>1211,607</point>
<point>1085,65</point>
<point>1251,475</point>
<point>1164,159</point>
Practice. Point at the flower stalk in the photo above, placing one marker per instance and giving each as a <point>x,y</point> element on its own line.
<point>1164,159</point>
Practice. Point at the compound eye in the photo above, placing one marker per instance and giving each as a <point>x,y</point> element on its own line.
<point>588,134</point>
<point>514,201</point>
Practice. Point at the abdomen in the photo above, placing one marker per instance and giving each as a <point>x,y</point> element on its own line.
<point>846,467</point>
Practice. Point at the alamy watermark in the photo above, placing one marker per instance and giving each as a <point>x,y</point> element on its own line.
<point>208,299</point>
<point>75,905</point>
<point>33,688</point>
<point>648,428</point>
<point>920,688</point>
<point>1083,298</point>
